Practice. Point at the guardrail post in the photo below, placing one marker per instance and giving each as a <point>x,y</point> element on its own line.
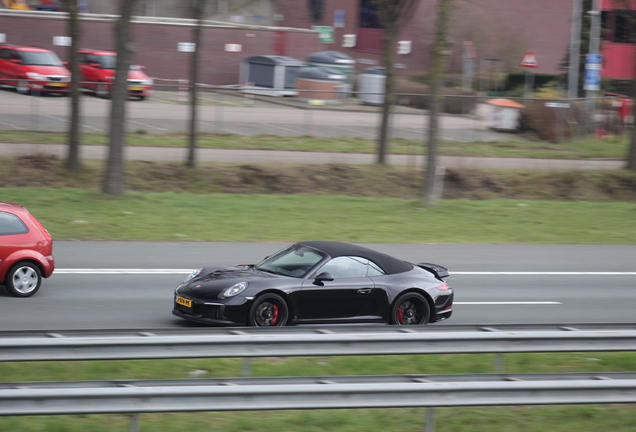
<point>500,364</point>
<point>430,420</point>
<point>247,366</point>
<point>134,423</point>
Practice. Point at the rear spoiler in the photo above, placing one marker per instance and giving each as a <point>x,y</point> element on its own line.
<point>438,270</point>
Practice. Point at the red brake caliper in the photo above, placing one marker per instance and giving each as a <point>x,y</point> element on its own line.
<point>400,316</point>
<point>275,314</point>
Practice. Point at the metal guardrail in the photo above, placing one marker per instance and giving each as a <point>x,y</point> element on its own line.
<point>313,393</point>
<point>318,342</point>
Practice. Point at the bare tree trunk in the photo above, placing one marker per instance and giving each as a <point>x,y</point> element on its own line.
<point>439,59</point>
<point>194,77</point>
<point>394,14</point>
<point>114,176</point>
<point>73,160</point>
<point>631,151</point>
<point>389,96</point>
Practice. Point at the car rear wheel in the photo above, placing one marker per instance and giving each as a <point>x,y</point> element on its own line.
<point>410,309</point>
<point>23,279</point>
<point>269,310</point>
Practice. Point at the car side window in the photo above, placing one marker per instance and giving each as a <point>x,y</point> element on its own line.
<point>11,224</point>
<point>4,54</point>
<point>374,270</point>
<point>346,267</point>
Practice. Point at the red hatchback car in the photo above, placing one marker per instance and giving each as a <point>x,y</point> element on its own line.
<point>30,69</point>
<point>97,69</point>
<point>26,251</point>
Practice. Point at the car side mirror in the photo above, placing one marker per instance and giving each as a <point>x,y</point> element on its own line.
<point>16,61</point>
<point>322,277</point>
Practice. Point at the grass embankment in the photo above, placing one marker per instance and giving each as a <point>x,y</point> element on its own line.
<point>72,214</point>
<point>580,148</point>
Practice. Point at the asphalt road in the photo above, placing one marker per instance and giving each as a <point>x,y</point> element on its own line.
<point>165,112</point>
<point>123,285</point>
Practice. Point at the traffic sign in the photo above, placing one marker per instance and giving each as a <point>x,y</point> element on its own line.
<point>325,34</point>
<point>529,60</point>
<point>593,66</point>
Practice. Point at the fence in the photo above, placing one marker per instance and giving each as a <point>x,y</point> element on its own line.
<point>228,110</point>
<point>313,392</point>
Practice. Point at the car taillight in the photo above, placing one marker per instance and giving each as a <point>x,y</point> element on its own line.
<point>444,287</point>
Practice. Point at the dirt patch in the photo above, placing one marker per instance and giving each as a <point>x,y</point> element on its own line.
<point>326,179</point>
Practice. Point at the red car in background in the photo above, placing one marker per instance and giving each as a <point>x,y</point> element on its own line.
<point>26,251</point>
<point>31,69</point>
<point>97,69</point>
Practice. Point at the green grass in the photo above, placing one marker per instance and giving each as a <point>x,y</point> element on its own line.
<point>583,148</point>
<point>73,214</point>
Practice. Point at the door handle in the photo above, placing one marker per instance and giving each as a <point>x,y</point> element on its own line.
<point>364,291</point>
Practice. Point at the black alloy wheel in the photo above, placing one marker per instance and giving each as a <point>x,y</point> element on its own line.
<point>269,310</point>
<point>410,309</point>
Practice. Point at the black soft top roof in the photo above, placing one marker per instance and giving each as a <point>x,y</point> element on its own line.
<point>387,263</point>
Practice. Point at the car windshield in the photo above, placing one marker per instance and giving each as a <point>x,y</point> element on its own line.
<point>107,62</point>
<point>40,58</point>
<point>295,261</point>
<point>110,62</point>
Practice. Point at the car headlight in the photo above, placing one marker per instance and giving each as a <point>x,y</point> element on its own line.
<point>147,82</point>
<point>193,275</point>
<point>236,289</point>
<point>36,76</point>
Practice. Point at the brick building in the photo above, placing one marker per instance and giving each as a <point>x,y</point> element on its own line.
<point>501,31</point>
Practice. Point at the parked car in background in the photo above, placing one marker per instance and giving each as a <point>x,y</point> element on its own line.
<point>31,69</point>
<point>26,251</point>
<point>97,69</point>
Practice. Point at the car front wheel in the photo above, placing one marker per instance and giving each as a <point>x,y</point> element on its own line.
<point>23,279</point>
<point>23,87</point>
<point>410,309</point>
<point>269,310</point>
<point>103,91</point>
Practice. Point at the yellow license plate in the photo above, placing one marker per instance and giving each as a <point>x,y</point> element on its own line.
<point>57,84</point>
<point>135,88</point>
<point>184,302</point>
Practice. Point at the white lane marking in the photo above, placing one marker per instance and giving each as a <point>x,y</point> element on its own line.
<point>510,303</point>
<point>187,271</point>
<point>525,273</point>
<point>122,271</point>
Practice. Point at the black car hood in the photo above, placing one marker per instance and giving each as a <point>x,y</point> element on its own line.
<point>212,281</point>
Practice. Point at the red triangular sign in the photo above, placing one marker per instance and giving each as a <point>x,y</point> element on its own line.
<point>529,60</point>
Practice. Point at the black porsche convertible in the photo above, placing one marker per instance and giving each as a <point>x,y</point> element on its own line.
<point>317,282</point>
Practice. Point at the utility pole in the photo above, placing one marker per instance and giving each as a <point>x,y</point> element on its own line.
<point>595,33</point>
<point>575,50</point>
